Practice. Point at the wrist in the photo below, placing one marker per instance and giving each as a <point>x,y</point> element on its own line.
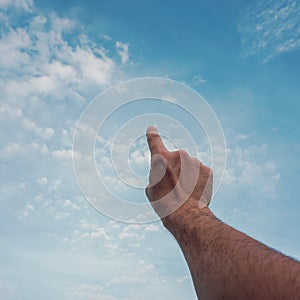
<point>186,218</point>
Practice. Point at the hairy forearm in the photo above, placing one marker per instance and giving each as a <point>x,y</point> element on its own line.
<point>227,264</point>
<point>224,263</point>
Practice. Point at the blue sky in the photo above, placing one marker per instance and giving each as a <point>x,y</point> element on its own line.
<point>55,57</point>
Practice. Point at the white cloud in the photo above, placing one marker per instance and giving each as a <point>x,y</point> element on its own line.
<point>140,157</point>
<point>47,133</point>
<point>147,268</point>
<point>111,247</point>
<point>106,37</point>
<point>63,154</point>
<point>27,210</point>
<point>44,83</point>
<point>249,169</point>
<point>96,234</point>
<point>151,228</point>
<point>23,4</point>
<point>123,51</point>
<point>89,292</point>
<point>131,161</point>
<point>38,63</point>
<point>241,137</point>
<point>198,79</point>
<point>271,27</point>
<point>132,231</point>
<point>42,79</point>
<point>14,150</point>
<point>146,283</point>
<point>71,205</point>
<point>42,181</point>
<point>87,225</point>
<point>56,184</point>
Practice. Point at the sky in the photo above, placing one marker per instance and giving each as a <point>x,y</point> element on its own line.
<point>243,57</point>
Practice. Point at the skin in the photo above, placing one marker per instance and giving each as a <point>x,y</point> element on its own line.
<point>224,262</point>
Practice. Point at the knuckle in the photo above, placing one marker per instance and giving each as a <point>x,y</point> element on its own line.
<point>183,153</point>
<point>157,160</point>
<point>207,170</point>
<point>196,161</point>
<point>178,155</point>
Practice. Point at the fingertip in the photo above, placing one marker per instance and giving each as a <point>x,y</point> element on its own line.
<point>151,129</point>
<point>154,140</point>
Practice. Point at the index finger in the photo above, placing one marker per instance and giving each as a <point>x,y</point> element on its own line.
<point>155,142</point>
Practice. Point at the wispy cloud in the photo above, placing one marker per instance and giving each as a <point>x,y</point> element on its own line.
<point>249,168</point>
<point>26,5</point>
<point>42,76</point>
<point>198,80</point>
<point>123,51</point>
<point>271,27</point>
<point>49,67</point>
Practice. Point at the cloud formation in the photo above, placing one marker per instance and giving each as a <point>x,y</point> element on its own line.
<point>123,51</point>
<point>271,27</point>
<point>50,69</point>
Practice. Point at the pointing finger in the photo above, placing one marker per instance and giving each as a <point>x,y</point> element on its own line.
<point>155,142</point>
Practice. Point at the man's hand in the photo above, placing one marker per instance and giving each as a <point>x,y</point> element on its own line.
<point>224,263</point>
<point>177,182</point>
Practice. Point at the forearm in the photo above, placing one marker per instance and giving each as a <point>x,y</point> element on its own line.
<point>224,263</point>
<point>227,264</point>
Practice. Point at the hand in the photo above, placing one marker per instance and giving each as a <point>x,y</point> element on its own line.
<point>177,182</point>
